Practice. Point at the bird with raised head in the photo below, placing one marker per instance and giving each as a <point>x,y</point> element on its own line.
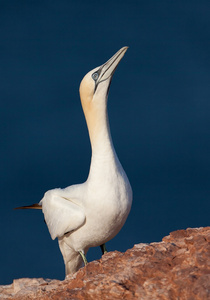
<point>92,213</point>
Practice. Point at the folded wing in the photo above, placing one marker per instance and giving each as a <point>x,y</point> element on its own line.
<point>62,215</point>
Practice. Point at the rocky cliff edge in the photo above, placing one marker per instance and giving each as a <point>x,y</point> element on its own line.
<point>176,268</point>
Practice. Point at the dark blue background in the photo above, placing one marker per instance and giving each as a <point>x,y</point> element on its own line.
<point>159,107</point>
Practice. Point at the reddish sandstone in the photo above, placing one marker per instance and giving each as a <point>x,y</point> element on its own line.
<point>176,268</point>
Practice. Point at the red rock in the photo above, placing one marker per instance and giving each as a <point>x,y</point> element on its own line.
<point>176,268</point>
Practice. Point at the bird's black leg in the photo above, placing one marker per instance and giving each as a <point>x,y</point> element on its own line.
<point>103,249</point>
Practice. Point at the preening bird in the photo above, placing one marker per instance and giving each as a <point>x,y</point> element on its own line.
<point>92,213</point>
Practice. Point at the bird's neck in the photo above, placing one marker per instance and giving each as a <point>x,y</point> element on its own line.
<point>99,132</point>
<point>103,157</point>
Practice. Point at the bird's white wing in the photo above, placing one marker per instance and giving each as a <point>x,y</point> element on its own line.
<point>61,214</point>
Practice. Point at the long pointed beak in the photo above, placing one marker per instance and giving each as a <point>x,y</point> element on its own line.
<point>107,70</point>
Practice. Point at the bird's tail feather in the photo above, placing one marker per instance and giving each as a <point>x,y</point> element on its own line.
<point>33,206</point>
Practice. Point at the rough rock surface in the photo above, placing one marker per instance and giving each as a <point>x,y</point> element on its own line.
<point>176,268</point>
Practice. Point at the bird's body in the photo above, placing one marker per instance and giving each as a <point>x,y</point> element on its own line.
<point>92,213</point>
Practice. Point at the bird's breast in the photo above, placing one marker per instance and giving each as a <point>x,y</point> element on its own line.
<point>110,194</point>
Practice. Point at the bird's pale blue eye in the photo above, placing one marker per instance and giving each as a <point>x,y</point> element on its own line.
<point>95,76</point>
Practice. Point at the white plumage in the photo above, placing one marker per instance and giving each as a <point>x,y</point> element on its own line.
<point>90,214</point>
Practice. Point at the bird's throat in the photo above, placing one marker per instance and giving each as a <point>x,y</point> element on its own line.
<point>99,131</point>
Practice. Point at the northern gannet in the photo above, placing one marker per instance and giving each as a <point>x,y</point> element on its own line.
<point>92,213</point>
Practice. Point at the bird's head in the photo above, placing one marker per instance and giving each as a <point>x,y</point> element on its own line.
<point>94,90</point>
<point>95,85</point>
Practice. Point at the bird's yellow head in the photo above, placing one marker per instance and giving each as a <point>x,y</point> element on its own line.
<point>94,90</point>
